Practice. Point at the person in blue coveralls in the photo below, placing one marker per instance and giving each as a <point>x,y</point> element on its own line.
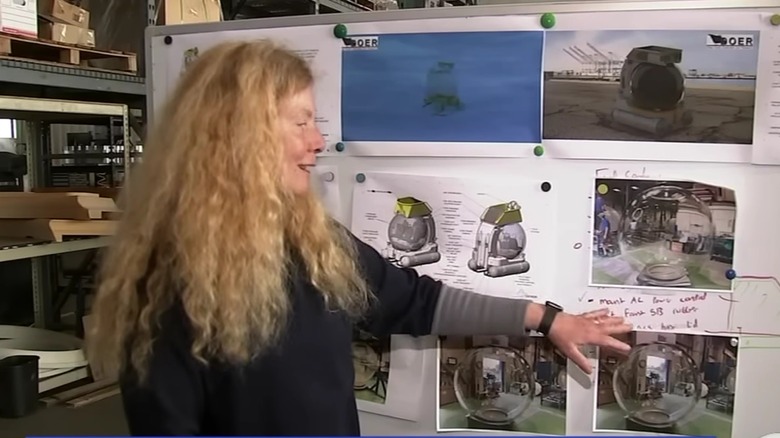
<point>602,225</point>
<point>227,301</point>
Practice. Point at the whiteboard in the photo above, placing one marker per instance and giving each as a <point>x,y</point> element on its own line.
<point>588,184</point>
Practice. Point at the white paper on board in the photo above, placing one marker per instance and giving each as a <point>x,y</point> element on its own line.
<point>751,309</point>
<point>530,385</point>
<point>455,207</point>
<point>404,391</point>
<point>766,148</point>
<point>443,87</point>
<point>596,105</point>
<point>748,307</point>
<point>314,43</point>
<point>685,247</point>
<point>684,376</point>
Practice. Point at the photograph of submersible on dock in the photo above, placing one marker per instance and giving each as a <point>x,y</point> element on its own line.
<point>657,85</point>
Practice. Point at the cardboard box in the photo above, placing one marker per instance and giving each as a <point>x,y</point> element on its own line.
<point>19,17</point>
<point>60,11</point>
<point>189,11</point>
<point>66,33</point>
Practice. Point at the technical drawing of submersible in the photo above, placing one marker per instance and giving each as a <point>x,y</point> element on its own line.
<point>412,234</point>
<point>500,243</point>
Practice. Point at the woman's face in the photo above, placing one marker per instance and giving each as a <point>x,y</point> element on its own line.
<point>301,138</point>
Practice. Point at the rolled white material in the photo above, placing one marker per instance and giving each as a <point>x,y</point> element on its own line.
<point>56,351</point>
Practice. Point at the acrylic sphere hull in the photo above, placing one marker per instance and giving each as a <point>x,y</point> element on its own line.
<point>667,229</point>
<point>510,242</point>
<point>494,385</point>
<point>409,234</point>
<point>658,385</point>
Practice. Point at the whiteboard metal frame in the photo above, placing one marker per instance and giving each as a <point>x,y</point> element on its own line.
<point>522,8</point>
<point>579,387</point>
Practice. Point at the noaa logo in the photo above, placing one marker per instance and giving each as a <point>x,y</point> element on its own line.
<point>730,40</point>
<point>361,43</point>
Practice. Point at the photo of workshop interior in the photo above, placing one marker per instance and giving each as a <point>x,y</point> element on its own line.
<point>546,413</point>
<point>371,358</point>
<point>694,396</point>
<point>665,234</point>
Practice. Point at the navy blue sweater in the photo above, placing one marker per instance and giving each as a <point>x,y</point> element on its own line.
<point>305,385</point>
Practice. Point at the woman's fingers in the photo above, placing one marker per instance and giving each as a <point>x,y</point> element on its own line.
<point>617,329</point>
<point>612,343</point>
<point>600,313</point>
<point>590,328</point>
<point>609,321</point>
<point>578,358</point>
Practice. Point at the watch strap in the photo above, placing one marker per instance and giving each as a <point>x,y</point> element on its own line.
<point>550,312</point>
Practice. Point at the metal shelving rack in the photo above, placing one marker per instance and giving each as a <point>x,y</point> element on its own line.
<point>26,251</point>
<point>28,78</point>
<point>33,115</point>
<point>71,78</point>
<point>37,94</point>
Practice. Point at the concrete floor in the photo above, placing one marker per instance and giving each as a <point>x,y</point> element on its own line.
<point>102,418</point>
<point>699,422</point>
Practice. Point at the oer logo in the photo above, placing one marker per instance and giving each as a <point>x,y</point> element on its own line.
<point>361,43</point>
<point>730,40</point>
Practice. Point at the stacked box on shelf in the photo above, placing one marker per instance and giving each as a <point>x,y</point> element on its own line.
<point>60,34</point>
<point>171,12</point>
<point>18,18</point>
<point>64,22</point>
<point>56,216</point>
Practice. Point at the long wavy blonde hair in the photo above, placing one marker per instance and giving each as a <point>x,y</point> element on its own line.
<point>208,223</point>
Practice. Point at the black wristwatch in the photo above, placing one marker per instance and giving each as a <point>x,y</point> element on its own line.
<point>550,312</point>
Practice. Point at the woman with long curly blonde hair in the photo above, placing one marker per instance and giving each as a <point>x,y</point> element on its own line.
<point>227,300</point>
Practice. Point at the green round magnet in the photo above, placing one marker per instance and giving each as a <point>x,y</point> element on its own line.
<point>340,146</point>
<point>340,31</point>
<point>538,150</point>
<point>548,20</point>
<point>360,178</point>
<point>775,20</point>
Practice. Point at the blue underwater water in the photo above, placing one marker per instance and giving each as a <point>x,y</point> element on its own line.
<point>497,75</point>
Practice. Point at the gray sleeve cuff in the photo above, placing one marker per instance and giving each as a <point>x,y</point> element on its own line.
<point>463,313</point>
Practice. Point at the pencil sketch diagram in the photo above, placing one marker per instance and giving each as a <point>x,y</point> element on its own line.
<point>441,91</point>
<point>411,234</point>
<point>500,244</point>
